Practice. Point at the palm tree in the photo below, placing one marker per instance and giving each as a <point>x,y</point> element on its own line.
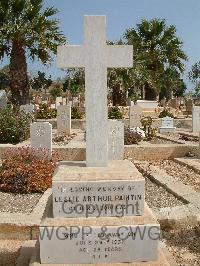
<point>26,28</point>
<point>155,48</point>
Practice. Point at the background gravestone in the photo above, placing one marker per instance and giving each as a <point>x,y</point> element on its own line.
<point>41,136</point>
<point>135,115</point>
<point>167,125</point>
<point>3,99</point>
<point>28,109</point>
<point>196,119</point>
<point>64,119</point>
<point>59,101</point>
<point>189,106</point>
<point>115,140</point>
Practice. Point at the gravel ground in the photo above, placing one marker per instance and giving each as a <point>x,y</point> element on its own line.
<point>157,197</point>
<point>184,245</point>
<point>161,141</point>
<point>180,172</point>
<point>9,251</point>
<point>23,203</point>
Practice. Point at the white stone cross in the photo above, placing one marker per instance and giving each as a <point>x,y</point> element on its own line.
<point>95,56</point>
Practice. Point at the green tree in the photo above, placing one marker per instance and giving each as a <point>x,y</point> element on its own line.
<point>41,82</point>
<point>56,92</point>
<point>4,78</point>
<point>119,81</point>
<point>172,82</point>
<point>27,29</point>
<point>155,48</point>
<point>74,81</point>
<point>194,77</point>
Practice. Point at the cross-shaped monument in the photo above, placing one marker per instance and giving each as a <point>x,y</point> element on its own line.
<point>95,56</point>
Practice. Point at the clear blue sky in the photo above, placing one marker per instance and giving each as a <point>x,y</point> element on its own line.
<point>121,14</point>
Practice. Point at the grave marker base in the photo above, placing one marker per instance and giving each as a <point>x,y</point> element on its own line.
<point>127,239</point>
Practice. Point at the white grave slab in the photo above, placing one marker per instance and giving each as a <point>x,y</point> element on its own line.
<point>135,115</point>
<point>196,119</point>
<point>97,191</point>
<point>115,140</point>
<point>95,56</point>
<point>41,136</point>
<point>102,240</point>
<point>94,245</point>
<point>58,101</point>
<point>3,99</point>
<point>144,104</point>
<point>28,109</point>
<point>64,119</point>
<point>167,125</point>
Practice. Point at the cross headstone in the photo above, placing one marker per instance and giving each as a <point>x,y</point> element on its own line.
<point>95,56</point>
<point>135,115</point>
<point>115,140</point>
<point>3,99</point>
<point>64,119</point>
<point>41,137</point>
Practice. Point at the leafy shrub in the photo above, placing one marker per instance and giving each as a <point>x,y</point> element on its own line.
<point>150,132</point>
<point>165,113</point>
<point>14,126</point>
<point>131,137</point>
<point>115,113</point>
<point>56,92</point>
<point>45,112</point>
<point>76,113</point>
<point>23,171</point>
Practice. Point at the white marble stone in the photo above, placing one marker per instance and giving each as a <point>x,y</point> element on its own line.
<point>28,109</point>
<point>95,56</point>
<point>115,140</point>
<point>102,240</point>
<point>167,125</point>
<point>41,137</point>
<point>167,122</point>
<point>64,101</point>
<point>196,119</point>
<point>3,99</point>
<point>135,115</point>
<point>97,192</point>
<point>96,247</point>
<point>58,101</point>
<point>144,104</point>
<point>64,119</point>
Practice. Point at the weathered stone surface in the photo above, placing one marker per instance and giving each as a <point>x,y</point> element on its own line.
<point>196,119</point>
<point>95,56</point>
<point>64,119</point>
<point>135,116</point>
<point>41,136</point>
<point>167,125</point>
<point>164,259</point>
<point>115,140</point>
<point>80,191</point>
<point>102,240</point>
<point>27,109</point>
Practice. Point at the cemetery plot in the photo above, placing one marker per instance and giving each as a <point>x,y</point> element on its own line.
<point>183,245</point>
<point>179,172</point>
<point>158,197</point>
<point>18,203</point>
